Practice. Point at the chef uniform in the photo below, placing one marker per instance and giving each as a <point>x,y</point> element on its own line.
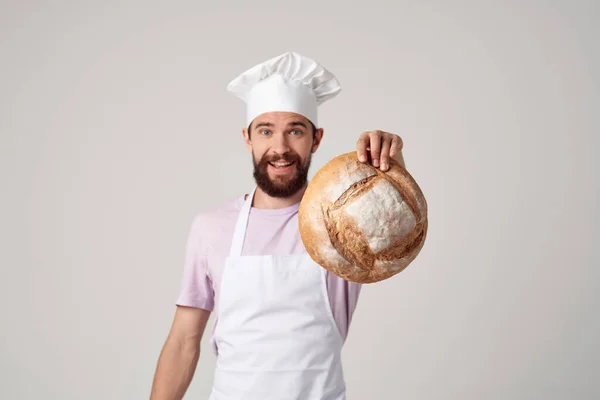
<point>276,337</point>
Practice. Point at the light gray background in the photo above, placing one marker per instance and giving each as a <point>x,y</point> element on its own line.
<point>116,129</point>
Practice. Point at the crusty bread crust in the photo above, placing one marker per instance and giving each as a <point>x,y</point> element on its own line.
<point>363,224</point>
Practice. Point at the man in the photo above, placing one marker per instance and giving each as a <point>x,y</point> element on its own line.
<point>281,319</point>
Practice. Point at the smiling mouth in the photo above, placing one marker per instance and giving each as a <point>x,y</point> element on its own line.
<point>281,164</point>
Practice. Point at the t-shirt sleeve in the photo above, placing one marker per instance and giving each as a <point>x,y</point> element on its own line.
<point>196,287</point>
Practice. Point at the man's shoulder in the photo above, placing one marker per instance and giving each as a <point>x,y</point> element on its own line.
<point>214,226</point>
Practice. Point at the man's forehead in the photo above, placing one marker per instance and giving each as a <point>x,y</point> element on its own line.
<point>280,117</point>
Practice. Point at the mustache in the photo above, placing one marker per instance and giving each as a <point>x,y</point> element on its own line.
<point>287,157</point>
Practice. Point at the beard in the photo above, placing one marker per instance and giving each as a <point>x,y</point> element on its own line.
<point>281,186</point>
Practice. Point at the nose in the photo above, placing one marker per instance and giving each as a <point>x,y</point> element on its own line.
<point>280,144</point>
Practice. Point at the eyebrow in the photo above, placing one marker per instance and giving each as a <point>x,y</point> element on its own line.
<point>293,123</point>
<point>263,124</point>
<point>296,123</point>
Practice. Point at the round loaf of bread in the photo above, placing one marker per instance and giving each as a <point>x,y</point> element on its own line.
<point>361,223</point>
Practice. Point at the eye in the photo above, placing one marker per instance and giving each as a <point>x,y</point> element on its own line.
<point>265,132</point>
<point>296,132</point>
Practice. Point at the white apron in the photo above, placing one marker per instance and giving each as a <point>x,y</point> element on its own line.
<point>276,336</point>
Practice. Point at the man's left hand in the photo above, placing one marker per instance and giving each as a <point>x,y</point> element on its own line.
<point>382,146</point>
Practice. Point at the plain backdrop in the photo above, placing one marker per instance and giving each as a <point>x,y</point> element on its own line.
<point>116,130</point>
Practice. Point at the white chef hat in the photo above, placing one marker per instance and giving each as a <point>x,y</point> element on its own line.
<point>289,82</point>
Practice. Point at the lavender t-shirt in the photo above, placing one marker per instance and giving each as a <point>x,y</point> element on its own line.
<point>269,231</point>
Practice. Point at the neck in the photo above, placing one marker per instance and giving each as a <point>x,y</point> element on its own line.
<point>263,200</point>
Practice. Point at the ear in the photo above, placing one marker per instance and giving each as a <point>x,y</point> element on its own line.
<point>247,140</point>
<point>317,141</point>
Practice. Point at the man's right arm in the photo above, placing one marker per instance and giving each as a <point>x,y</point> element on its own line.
<point>180,353</point>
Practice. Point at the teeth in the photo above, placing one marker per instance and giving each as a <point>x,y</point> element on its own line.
<point>280,164</point>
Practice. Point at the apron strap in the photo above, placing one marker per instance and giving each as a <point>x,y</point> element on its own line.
<point>239,233</point>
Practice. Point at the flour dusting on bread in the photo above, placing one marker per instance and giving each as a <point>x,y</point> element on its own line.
<point>361,223</point>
